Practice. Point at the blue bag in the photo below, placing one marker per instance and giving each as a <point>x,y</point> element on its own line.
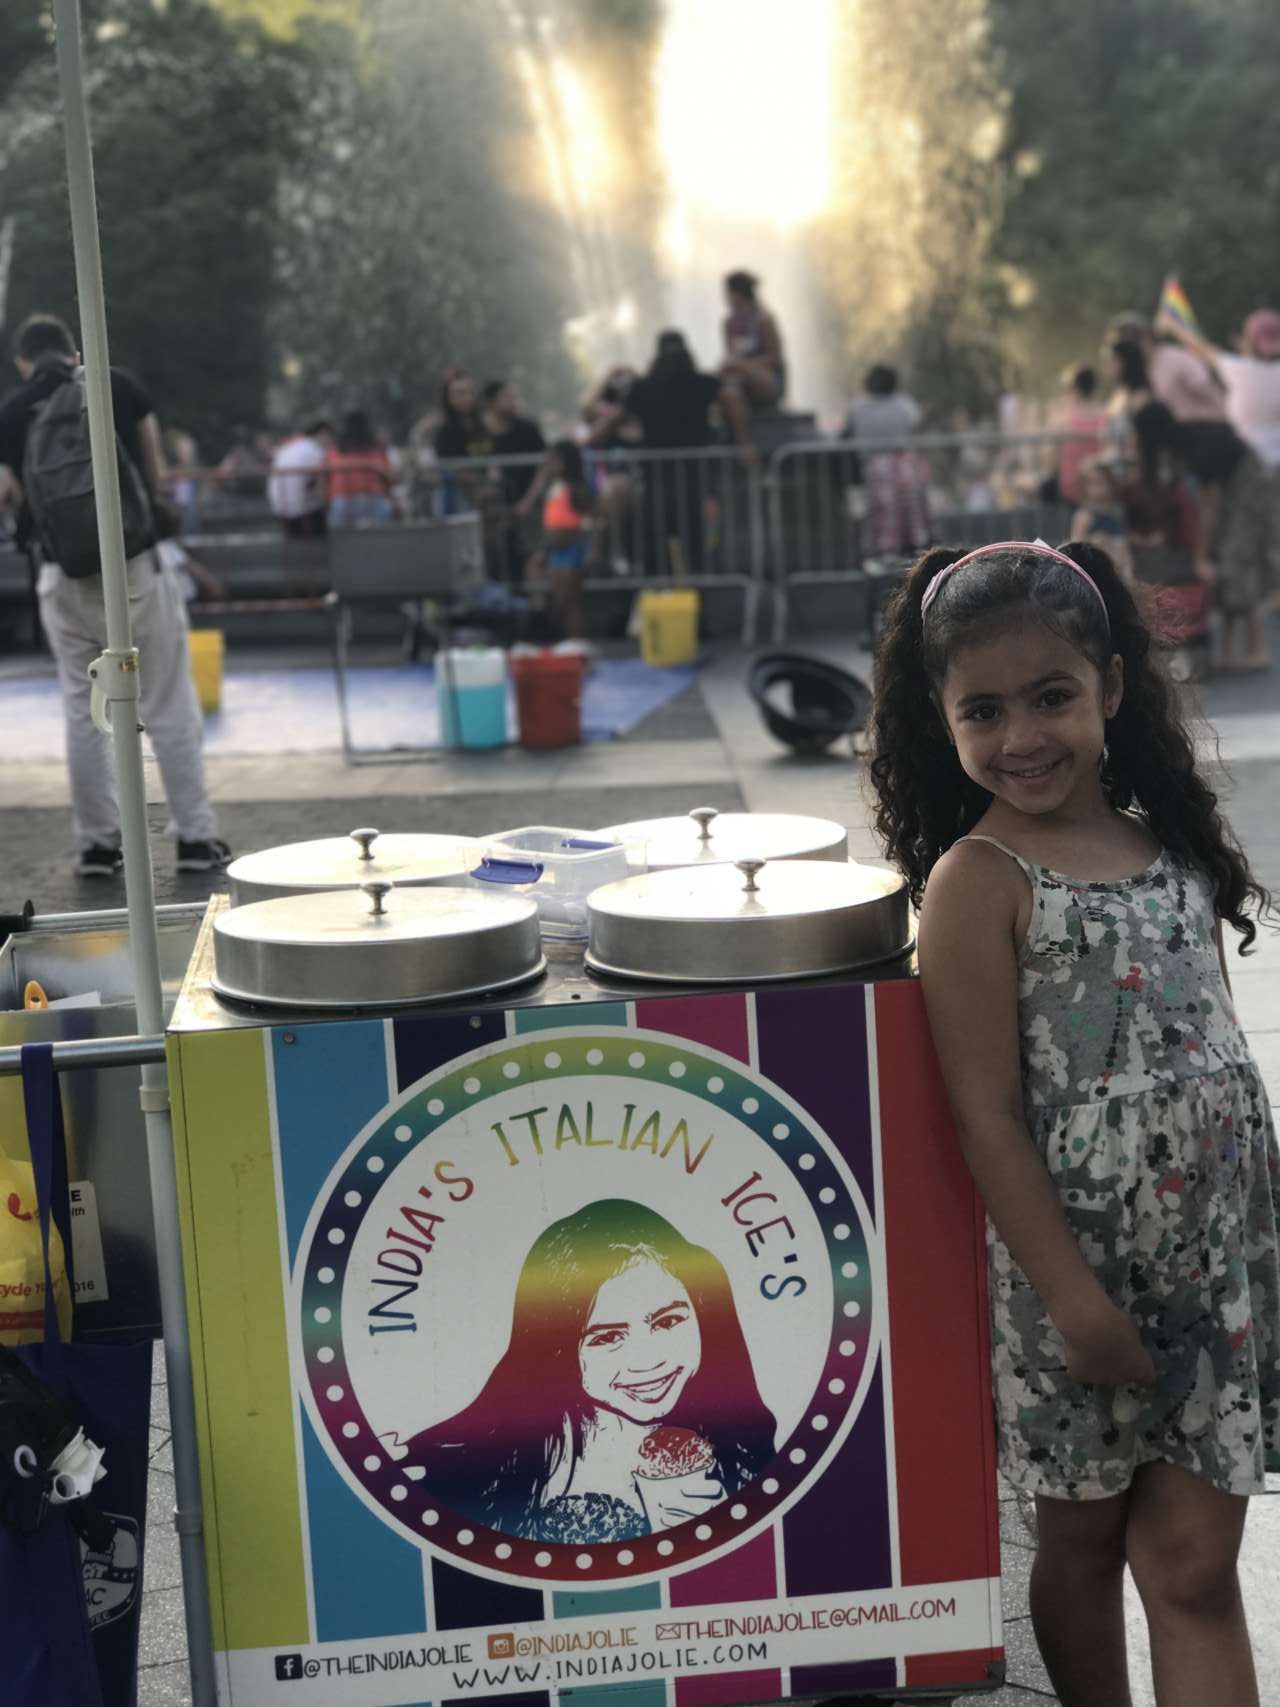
<point>70,1603</point>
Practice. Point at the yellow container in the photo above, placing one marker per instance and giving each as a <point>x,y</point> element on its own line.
<point>207,646</point>
<point>669,626</point>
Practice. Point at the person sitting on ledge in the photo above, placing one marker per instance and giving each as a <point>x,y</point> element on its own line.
<point>754,363</point>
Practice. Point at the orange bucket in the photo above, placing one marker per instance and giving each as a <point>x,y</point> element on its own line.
<point>548,698</point>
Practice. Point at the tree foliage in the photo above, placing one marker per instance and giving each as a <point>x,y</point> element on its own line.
<point>309,202</point>
<point>325,202</point>
<point>1143,136</point>
<point>429,218</point>
<point>414,237</point>
<point>192,117</point>
<point>1014,174</point>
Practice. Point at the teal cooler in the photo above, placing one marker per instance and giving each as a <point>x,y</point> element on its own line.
<point>472,687</point>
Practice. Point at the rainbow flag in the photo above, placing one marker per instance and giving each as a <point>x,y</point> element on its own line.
<point>1175,305</point>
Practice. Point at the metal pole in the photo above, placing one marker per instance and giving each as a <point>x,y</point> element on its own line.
<point>116,684</point>
<point>92,1052</point>
<point>109,916</point>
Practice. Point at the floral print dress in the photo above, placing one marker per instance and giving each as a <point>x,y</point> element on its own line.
<point>1152,1119</point>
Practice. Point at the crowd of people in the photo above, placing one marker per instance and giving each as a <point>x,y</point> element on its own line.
<point>328,475</point>
<point>1168,458</point>
<point>1168,454</point>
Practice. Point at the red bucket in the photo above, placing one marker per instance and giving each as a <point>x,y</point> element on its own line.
<point>548,698</point>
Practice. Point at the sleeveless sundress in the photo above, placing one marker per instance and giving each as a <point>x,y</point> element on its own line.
<point>1152,1119</point>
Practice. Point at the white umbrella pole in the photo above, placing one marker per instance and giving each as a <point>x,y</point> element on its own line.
<point>116,688</point>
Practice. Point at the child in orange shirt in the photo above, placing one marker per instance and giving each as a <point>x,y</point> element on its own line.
<point>568,524</point>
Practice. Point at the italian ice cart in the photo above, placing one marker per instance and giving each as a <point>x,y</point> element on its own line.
<point>576,1328</point>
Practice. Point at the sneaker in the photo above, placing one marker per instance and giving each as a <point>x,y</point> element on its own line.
<point>99,861</point>
<point>203,856</point>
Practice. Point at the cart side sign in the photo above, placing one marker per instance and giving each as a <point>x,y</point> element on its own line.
<point>586,1307</point>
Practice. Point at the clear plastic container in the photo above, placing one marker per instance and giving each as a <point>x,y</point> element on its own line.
<point>556,868</point>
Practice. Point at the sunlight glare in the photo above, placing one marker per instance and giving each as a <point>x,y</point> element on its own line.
<point>746,107</point>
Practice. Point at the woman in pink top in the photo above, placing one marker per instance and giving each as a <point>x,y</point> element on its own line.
<point>1078,413</point>
<point>1250,379</point>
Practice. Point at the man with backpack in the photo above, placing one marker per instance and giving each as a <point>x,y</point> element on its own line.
<point>44,441</point>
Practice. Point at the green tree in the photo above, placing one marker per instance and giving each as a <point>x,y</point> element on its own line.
<point>1143,137</point>
<point>415,236</point>
<point>193,118</point>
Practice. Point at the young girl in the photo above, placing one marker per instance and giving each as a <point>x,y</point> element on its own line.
<point>1032,769</point>
<point>1099,517</point>
<point>567,534</point>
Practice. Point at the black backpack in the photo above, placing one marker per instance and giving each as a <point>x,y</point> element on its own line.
<point>57,477</point>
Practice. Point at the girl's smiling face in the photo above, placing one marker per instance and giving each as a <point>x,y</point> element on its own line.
<point>641,1344</point>
<point>1026,712</point>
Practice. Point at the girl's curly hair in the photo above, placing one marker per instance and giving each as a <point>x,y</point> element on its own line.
<point>925,802</point>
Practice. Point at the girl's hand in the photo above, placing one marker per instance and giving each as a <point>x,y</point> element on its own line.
<point>1104,1348</point>
<point>678,1498</point>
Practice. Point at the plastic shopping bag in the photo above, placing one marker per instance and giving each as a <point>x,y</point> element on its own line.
<point>22,1261</point>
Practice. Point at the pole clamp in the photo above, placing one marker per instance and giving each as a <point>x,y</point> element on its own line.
<point>154,1099</point>
<point>190,1521</point>
<point>114,678</point>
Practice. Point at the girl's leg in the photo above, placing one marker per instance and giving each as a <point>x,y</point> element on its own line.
<point>1077,1599</point>
<point>1183,1540</point>
<point>566,590</point>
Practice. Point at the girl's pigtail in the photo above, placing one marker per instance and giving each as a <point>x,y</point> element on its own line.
<point>1151,761</point>
<point>924,800</point>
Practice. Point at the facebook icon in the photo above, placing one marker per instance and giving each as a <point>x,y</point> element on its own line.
<point>288,1668</point>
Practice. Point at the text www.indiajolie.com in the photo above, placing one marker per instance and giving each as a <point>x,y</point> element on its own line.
<point>644,1661</point>
<point>731,1639</point>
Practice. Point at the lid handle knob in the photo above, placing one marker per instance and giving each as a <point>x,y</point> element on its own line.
<point>702,817</point>
<point>749,868</point>
<point>377,889</point>
<point>365,840</point>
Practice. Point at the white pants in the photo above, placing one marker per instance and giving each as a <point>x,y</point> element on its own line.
<point>75,621</point>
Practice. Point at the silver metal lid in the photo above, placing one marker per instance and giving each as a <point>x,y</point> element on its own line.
<point>753,920</point>
<point>706,836</point>
<point>345,862</point>
<point>375,947</point>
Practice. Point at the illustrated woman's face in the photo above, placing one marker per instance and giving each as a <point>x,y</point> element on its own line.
<point>641,1344</point>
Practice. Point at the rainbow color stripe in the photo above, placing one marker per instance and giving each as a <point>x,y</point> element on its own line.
<point>636,1056</point>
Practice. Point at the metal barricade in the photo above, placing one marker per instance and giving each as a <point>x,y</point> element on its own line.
<point>660,518</point>
<point>410,565</point>
<point>846,512</point>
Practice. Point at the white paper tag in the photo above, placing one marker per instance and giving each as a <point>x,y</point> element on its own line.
<point>86,1244</point>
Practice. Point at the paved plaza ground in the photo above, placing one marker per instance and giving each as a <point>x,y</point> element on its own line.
<point>706,747</point>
